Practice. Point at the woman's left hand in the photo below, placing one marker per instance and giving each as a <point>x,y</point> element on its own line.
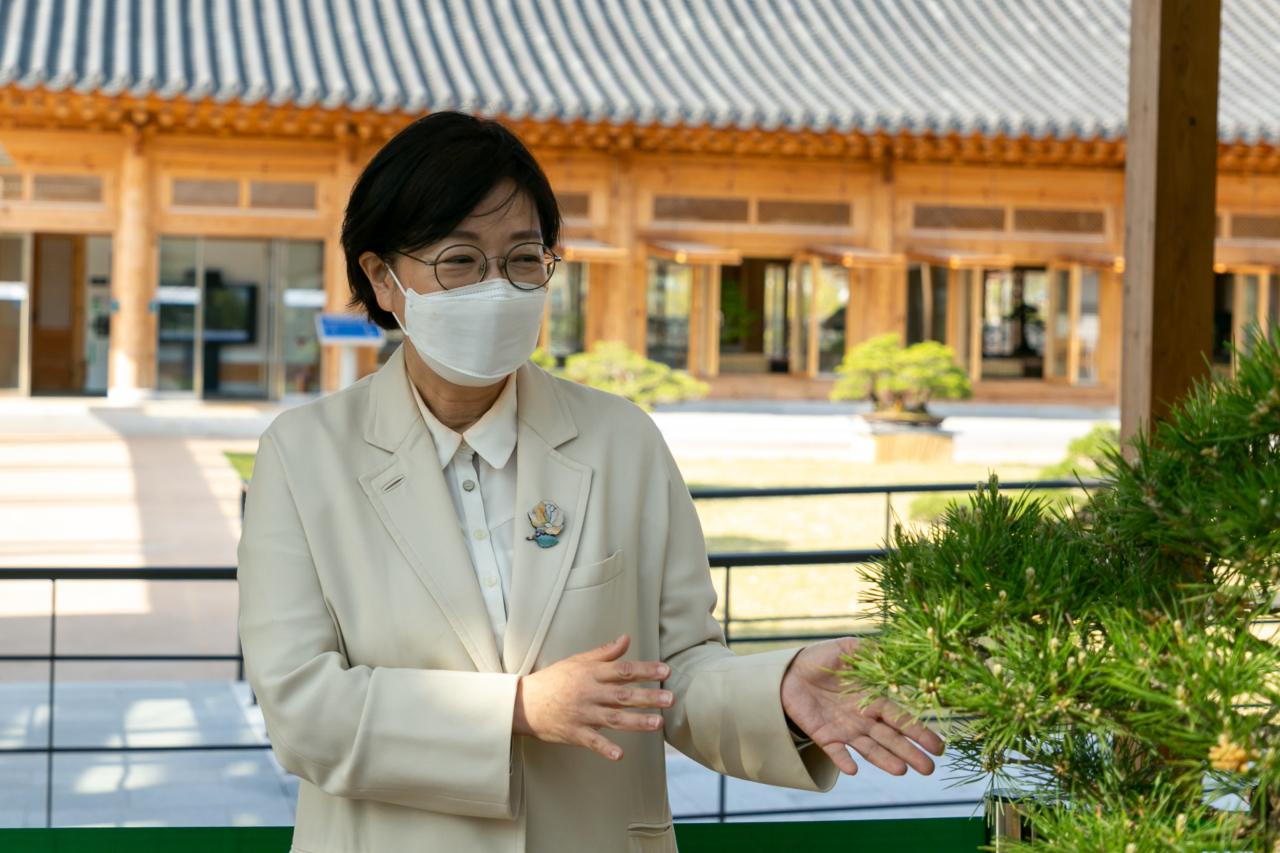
<point>827,711</point>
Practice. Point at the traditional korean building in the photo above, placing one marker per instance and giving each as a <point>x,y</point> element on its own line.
<point>750,188</point>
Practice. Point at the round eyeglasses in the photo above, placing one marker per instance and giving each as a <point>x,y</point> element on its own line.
<point>528,266</point>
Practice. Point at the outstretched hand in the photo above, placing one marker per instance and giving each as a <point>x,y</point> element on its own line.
<point>570,701</point>
<point>827,711</point>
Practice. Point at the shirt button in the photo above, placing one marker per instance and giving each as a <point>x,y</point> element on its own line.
<point>490,580</point>
<point>469,485</point>
<point>478,533</point>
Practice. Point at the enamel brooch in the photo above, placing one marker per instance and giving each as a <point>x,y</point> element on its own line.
<point>547,521</point>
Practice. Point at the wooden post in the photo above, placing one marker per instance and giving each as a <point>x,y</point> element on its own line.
<point>1170,196</point>
<point>337,290</point>
<point>884,300</point>
<point>132,349</point>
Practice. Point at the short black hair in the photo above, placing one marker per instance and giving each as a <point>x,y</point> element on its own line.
<point>424,182</point>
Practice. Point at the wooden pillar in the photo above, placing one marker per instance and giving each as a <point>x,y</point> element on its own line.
<point>132,349</point>
<point>337,291</point>
<point>884,296</point>
<point>1170,195</point>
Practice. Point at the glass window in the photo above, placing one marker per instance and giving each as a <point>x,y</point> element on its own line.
<point>78,188</point>
<point>833,307</point>
<point>567,298</point>
<point>669,287</point>
<point>177,302</point>
<point>206,193</point>
<point>303,298</point>
<point>280,195</point>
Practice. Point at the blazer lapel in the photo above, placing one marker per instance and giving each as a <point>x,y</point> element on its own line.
<point>410,496</point>
<point>538,574</point>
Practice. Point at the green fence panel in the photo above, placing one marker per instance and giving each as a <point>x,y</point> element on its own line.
<point>934,835</point>
<point>931,835</point>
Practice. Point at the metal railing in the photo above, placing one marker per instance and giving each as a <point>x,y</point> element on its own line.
<point>725,561</point>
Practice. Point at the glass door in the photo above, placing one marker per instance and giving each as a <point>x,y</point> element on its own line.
<point>670,287</point>
<point>1088,327</point>
<point>178,309</point>
<point>831,303</point>
<point>566,325</point>
<point>237,317</point>
<point>1057,357</point>
<point>775,316</point>
<point>14,304</point>
<point>1073,328</point>
<point>296,353</point>
<point>800,309</point>
<point>1244,300</point>
<point>1013,323</point>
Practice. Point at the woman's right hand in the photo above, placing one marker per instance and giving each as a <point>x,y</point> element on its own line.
<point>570,701</point>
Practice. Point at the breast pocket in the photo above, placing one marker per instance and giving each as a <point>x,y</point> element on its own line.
<point>595,574</point>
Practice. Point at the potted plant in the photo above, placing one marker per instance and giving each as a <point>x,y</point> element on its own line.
<point>901,381</point>
<point>1109,666</point>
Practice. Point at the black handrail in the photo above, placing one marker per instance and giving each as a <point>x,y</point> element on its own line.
<point>726,561</point>
<point>713,493</point>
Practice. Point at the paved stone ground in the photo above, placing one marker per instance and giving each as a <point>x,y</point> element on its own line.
<point>248,788</point>
<point>83,483</point>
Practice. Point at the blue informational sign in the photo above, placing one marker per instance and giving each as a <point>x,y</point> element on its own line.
<point>351,330</point>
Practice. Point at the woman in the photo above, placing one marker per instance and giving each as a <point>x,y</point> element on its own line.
<point>475,597</point>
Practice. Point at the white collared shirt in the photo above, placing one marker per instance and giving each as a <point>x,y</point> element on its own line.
<point>479,468</point>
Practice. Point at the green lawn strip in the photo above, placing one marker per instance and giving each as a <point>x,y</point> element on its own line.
<point>242,462</point>
<point>932,835</point>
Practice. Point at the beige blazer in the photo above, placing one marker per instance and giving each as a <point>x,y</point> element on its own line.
<point>367,641</point>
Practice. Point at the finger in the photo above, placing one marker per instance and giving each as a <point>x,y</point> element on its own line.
<point>619,720</point>
<point>625,671</point>
<point>609,651</point>
<point>893,740</point>
<point>895,717</point>
<point>879,756</point>
<point>841,758</point>
<point>622,696</point>
<point>599,744</point>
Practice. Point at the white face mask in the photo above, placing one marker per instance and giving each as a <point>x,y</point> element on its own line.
<point>475,335</point>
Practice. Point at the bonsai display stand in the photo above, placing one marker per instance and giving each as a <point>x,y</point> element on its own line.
<point>920,444</point>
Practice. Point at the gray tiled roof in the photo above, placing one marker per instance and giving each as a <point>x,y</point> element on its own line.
<point>1033,67</point>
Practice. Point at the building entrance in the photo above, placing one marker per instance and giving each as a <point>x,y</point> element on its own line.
<point>783,315</point>
<point>237,317</point>
<point>753,316</point>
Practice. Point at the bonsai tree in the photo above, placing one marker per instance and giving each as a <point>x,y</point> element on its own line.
<point>900,379</point>
<point>611,367</point>
<point>1108,664</point>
